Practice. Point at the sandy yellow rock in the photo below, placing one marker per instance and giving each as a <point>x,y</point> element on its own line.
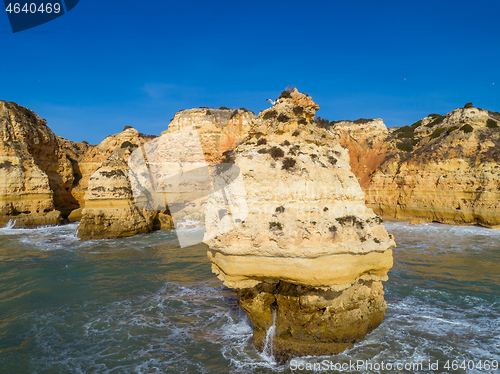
<point>307,233</point>
<point>451,176</point>
<point>219,130</point>
<point>110,210</point>
<point>35,175</point>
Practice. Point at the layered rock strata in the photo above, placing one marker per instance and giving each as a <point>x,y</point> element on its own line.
<point>89,158</point>
<point>310,257</point>
<point>367,145</point>
<point>219,130</point>
<point>440,169</point>
<point>110,209</point>
<point>36,177</point>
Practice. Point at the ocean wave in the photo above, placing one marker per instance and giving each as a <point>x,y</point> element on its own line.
<point>441,229</point>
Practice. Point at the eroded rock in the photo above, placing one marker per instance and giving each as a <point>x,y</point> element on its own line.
<point>440,169</point>
<point>35,175</point>
<point>110,209</point>
<point>309,247</point>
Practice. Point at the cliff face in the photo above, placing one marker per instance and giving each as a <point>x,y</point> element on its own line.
<point>110,210</point>
<point>309,252</point>
<point>442,169</point>
<point>366,142</point>
<point>219,130</point>
<point>90,157</point>
<point>113,207</point>
<point>36,177</point>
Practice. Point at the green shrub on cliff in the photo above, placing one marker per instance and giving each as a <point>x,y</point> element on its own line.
<point>467,128</point>
<point>127,144</point>
<point>350,220</point>
<point>285,95</point>
<point>361,121</point>
<point>275,225</point>
<point>404,147</point>
<point>298,110</point>
<point>468,105</point>
<point>276,152</point>
<point>324,123</point>
<point>270,114</point>
<point>437,118</point>
<point>113,173</point>
<point>416,124</point>
<point>492,124</point>
<point>282,117</point>
<point>405,132</point>
<point>495,115</point>
<point>5,165</point>
<point>288,163</point>
<point>437,133</point>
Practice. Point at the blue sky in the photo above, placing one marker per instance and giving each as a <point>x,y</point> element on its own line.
<point>107,64</point>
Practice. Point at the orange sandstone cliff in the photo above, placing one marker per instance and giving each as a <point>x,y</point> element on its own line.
<point>440,169</point>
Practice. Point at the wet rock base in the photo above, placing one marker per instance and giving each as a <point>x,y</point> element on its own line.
<point>311,321</point>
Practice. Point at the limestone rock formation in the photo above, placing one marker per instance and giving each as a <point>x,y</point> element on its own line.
<point>110,210</point>
<point>367,145</point>
<point>219,130</point>
<point>309,252</point>
<point>36,177</point>
<point>90,157</point>
<point>442,168</point>
<point>107,207</point>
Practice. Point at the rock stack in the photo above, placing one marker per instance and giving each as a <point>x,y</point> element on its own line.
<point>310,257</point>
<point>110,210</point>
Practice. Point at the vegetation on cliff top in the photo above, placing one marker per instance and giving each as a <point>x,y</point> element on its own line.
<point>437,119</point>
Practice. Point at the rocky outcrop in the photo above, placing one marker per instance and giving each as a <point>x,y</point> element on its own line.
<point>219,130</point>
<point>110,210</point>
<point>310,257</point>
<point>46,178</point>
<point>90,157</point>
<point>36,177</point>
<point>440,169</point>
<point>366,141</point>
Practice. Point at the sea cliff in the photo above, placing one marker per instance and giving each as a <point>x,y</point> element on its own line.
<point>440,169</point>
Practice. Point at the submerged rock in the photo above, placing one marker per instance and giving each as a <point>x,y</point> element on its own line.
<point>309,249</point>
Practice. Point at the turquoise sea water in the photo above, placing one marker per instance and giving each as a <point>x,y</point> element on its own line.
<point>144,305</point>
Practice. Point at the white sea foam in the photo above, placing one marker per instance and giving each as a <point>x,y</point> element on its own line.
<point>198,327</point>
<point>441,229</point>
